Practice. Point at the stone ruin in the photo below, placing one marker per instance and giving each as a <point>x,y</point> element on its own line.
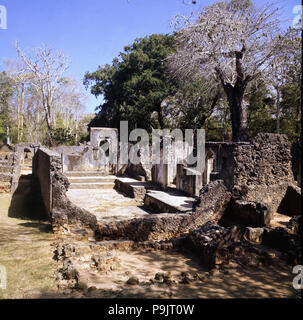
<point>225,217</point>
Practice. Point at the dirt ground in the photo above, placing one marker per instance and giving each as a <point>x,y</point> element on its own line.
<point>267,282</point>
<point>26,251</point>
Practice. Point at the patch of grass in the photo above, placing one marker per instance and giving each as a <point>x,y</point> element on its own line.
<point>26,253</point>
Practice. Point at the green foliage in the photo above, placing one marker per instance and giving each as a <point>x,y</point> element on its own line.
<point>62,136</point>
<point>260,110</point>
<point>135,85</point>
<point>6,92</point>
<point>192,105</point>
<point>218,127</point>
<point>291,106</point>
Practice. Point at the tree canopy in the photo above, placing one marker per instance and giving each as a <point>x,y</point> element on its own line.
<point>136,84</point>
<point>230,43</point>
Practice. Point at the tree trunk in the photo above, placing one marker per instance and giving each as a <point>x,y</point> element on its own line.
<point>76,126</point>
<point>235,97</point>
<point>160,117</point>
<point>49,124</point>
<point>278,111</point>
<point>18,113</point>
<point>238,111</point>
<point>22,111</point>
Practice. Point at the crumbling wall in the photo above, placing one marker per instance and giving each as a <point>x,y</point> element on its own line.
<point>16,172</point>
<point>262,169</point>
<point>212,202</point>
<point>259,177</point>
<point>64,215</point>
<point>218,246</point>
<point>10,168</point>
<point>84,158</point>
<point>223,161</point>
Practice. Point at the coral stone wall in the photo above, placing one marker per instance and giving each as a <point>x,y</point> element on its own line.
<point>47,168</point>
<point>262,169</point>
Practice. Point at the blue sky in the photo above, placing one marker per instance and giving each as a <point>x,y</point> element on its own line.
<point>93,32</point>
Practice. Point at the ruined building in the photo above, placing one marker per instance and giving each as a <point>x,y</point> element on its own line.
<point>223,212</point>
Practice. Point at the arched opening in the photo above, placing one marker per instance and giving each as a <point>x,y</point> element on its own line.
<point>104,145</point>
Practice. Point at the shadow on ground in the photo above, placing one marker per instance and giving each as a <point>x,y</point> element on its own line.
<point>27,204</point>
<point>266,283</point>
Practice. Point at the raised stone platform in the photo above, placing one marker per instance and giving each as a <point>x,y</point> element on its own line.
<point>170,201</point>
<point>131,187</point>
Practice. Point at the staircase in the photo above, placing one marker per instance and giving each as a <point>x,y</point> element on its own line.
<point>90,180</point>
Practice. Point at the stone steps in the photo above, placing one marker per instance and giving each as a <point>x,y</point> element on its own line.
<point>92,185</point>
<point>85,173</point>
<point>90,180</point>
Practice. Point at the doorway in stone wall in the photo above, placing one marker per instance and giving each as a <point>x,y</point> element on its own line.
<point>209,166</point>
<point>105,146</point>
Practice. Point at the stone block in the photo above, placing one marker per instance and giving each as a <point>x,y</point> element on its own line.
<point>249,213</point>
<point>291,203</point>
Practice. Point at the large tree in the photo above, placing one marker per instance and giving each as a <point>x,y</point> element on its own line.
<point>285,69</point>
<point>45,68</point>
<point>230,43</point>
<point>135,85</point>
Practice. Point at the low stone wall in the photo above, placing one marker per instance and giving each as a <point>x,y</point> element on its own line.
<point>16,172</point>
<point>188,180</point>
<point>84,158</point>
<point>64,215</point>
<point>10,169</point>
